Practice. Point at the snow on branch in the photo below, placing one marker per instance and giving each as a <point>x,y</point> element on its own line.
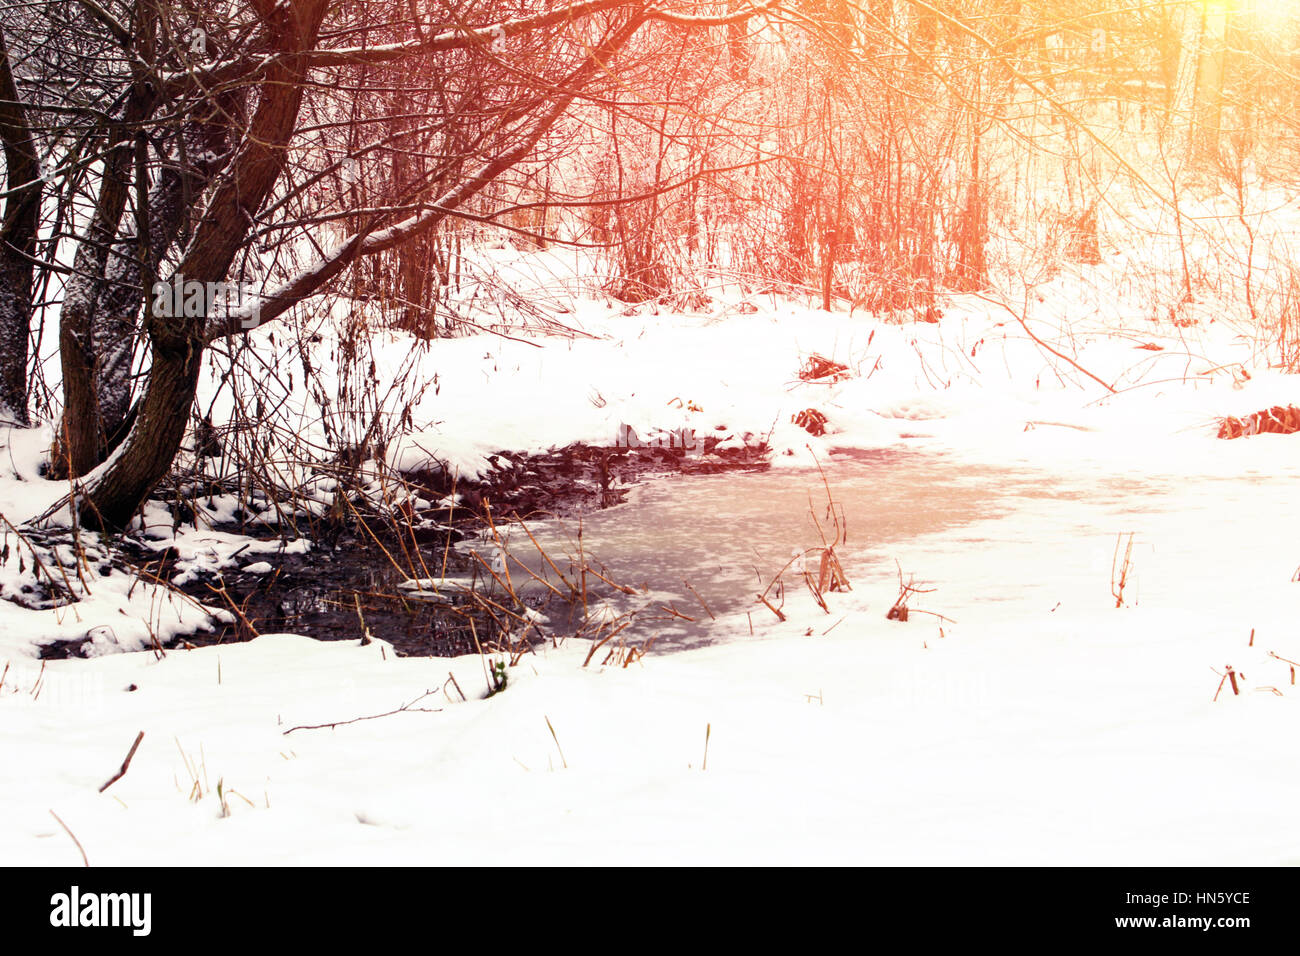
<point>371,240</point>
<point>463,37</point>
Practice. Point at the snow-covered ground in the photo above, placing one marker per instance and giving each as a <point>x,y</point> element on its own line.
<point>1045,725</point>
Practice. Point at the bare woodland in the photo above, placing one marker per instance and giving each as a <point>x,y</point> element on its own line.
<point>863,153</point>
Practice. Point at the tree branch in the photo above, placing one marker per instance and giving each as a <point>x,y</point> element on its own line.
<point>461,38</point>
<point>370,241</point>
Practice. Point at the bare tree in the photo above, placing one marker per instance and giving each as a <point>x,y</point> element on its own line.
<point>200,163</point>
<point>155,147</point>
<point>17,240</point>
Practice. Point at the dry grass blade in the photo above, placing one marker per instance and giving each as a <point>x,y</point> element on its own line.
<point>69,592</point>
<point>68,831</point>
<point>901,611</point>
<point>597,645</point>
<point>1121,569</point>
<point>703,604</point>
<point>557,741</point>
<point>547,558</point>
<point>768,604</point>
<point>815,592</point>
<point>501,545</point>
<point>495,577</point>
<point>614,584</point>
<point>830,574</point>
<point>249,631</point>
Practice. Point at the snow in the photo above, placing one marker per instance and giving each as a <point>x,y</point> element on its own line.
<point>1035,723</point>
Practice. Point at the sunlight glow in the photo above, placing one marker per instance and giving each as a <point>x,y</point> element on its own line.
<point>1276,17</point>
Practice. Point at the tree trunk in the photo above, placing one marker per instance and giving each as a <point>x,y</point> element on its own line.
<point>110,497</point>
<point>80,444</point>
<point>113,495</point>
<point>971,273</point>
<point>1208,121</point>
<point>17,242</point>
<point>115,326</point>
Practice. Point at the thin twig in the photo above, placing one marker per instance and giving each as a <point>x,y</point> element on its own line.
<point>452,678</point>
<point>405,708</point>
<point>615,585</point>
<point>597,645</point>
<point>779,615</point>
<point>700,599</point>
<point>673,612</point>
<point>1025,325</point>
<point>125,763</point>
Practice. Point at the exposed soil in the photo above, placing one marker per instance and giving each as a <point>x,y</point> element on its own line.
<point>349,581</point>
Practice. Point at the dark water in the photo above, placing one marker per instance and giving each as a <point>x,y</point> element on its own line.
<point>688,548</point>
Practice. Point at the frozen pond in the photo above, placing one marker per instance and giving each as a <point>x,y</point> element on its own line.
<point>718,541</point>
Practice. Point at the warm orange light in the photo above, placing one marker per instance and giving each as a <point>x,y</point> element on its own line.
<point>1277,17</point>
